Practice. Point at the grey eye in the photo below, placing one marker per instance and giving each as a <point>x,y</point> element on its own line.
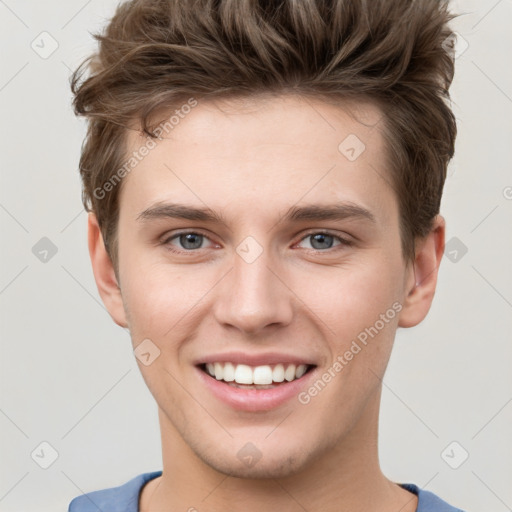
<point>191,240</point>
<point>321,241</point>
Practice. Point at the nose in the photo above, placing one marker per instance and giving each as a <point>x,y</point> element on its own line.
<point>253,297</point>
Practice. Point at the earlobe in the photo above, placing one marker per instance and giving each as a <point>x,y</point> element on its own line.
<point>104,273</point>
<point>422,279</point>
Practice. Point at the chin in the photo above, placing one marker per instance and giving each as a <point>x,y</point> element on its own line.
<point>275,468</point>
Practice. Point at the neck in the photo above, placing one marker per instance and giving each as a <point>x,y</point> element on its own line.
<point>345,477</point>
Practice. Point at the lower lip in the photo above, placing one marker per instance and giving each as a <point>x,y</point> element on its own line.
<point>253,400</point>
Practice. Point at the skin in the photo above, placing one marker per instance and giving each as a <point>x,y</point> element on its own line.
<point>250,161</point>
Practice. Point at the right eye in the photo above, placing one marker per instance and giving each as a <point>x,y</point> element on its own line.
<point>189,241</point>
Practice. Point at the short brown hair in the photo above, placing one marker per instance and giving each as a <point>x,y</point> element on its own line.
<point>156,54</point>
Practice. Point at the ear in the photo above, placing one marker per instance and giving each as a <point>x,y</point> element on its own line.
<point>422,278</point>
<point>104,274</point>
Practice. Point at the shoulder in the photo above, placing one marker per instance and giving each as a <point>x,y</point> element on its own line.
<point>124,498</point>
<point>428,501</point>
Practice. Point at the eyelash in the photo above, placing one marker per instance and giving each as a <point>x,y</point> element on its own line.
<point>343,241</point>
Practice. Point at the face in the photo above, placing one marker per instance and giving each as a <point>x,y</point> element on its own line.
<point>262,237</point>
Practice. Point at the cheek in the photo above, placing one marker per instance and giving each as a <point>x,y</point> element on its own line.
<point>353,298</point>
<point>361,315</point>
<point>359,308</point>
<point>153,291</point>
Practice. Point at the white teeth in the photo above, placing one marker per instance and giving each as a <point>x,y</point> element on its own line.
<point>229,372</point>
<point>262,375</point>
<point>289,373</point>
<point>300,371</point>
<point>219,371</point>
<point>278,373</point>
<point>243,374</point>
<point>259,375</point>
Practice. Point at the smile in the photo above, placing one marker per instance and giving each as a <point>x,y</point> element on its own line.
<point>255,376</point>
<point>255,387</point>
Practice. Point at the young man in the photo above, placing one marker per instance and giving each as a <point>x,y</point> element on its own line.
<point>263,180</point>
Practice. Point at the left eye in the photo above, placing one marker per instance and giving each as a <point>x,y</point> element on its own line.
<point>188,241</point>
<point>320,241</point>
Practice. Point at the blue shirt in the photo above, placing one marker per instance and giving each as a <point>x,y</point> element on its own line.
<point>125,498</point>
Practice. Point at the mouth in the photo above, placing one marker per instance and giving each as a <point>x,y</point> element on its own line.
<point>243,376</point>
<point>255,388</point>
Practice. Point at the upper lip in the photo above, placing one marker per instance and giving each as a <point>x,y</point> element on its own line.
<point>267,358</point>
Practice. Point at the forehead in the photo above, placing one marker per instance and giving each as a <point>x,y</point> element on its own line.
<point>262,154</point>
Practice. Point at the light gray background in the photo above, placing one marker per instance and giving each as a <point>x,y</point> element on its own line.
<point>68,375</point>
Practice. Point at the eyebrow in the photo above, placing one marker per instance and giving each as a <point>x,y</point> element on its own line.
<point>339,211</point>
<point>180,211</point>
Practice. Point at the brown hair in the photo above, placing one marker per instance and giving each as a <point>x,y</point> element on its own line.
<point>156,54</point>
